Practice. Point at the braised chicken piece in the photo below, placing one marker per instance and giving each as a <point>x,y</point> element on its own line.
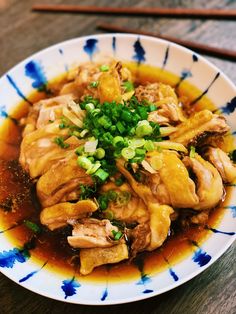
<point>91,233</point>
<point>94,257</point>
<point>60,180</point>
<point>58,215</point>
<point>175,186</point>
<point>222,163</point>
<point>159,214</point>
<point>127,206</point>
<point>140,237</point>
<point>164,97</point>
<point>210,187</point>
<point>202,124</point>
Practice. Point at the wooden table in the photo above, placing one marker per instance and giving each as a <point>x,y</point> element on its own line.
<point>22,33</point>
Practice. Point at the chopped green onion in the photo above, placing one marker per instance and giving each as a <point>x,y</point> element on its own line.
<point>126,116</point>
<point>79,150</point>
<point>101,174</point>
<point>109,214</point>
<point>128,153</point>
<point>103,202</point>
<point>33,226</point>
<point>119,181</point>
<point>149,146</point>
<point>137,142</point>
<point>83,133</point>
<point>129,86</point>
<point>118,141</point>
<point>91,158</point>
<point>152,107</point>
<point>123,198</point>
<point>76,133</point>
<point>84,162</point>
<point>117,235</point>
<point>192,152</point>
<point>89,106</point>
<point>140,151</point>
<point>120,126</point>
<point>143,128</point>
<point>104,68</point>
<point>111,195</point>
<point>94,168</point>
<point>94,84</point>
<point>100,153</point>
<point>60,142</point>
<point>105,122</point>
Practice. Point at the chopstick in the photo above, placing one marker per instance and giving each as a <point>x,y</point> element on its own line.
<point>209,50</point>
<point>143,11</point>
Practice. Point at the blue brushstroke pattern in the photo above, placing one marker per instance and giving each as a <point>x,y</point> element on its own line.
<point>69,287</point>
<point>166,57</point>
<point>104,295</point>
<point>144,279</point>
<point>206,90</point>
<point>8,258</point>
<point>114,44</point>
<point>34,70</point>
<point>201,258</point>
<point>234,133</point>
<point>90,47</point>
<point>222,232</point>
<point>16,88</point>
<point>147,291</point>
<point>62,53</point>
<point>32,273</point>
<point>173,274</point>
<point>139,52</point>
<point>3,112</point>
<point>195,57</point>
<point>233,209</point>
<point>184,74</point>
<point>229,107</point>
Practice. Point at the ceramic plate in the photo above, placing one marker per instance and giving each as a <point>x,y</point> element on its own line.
<point>37,70</point>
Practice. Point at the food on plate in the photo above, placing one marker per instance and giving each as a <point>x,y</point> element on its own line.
<point>118,162</point>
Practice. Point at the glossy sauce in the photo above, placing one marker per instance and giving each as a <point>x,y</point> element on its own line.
<point>17,193</point>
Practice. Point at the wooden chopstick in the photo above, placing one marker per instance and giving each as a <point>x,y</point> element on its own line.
<point>143,11</point>
<point>209,50</point>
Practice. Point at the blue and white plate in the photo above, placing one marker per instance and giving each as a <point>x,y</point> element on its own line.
<point>35,72</point>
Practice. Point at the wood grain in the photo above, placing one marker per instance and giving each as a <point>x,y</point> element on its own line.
<point>22,33</point>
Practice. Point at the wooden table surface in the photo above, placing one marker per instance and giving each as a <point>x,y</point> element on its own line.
<point>22,33</point>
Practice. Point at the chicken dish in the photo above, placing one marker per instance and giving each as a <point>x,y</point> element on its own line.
<point>118,162</point>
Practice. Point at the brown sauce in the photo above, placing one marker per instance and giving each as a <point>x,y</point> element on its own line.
<point>18,201</point>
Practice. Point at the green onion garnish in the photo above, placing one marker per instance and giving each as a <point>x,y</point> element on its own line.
<point>101,174</point>
<point>143,128</point>
<point>60,142</point>
<point>129,86</point>
<point>100,153</point>
<point>192,152</point>
<point>33,226</point>
<point>128,153</point>
<point>84,162</point>
<point>94,84</point>
<point>104,68</point>
<point>117,235</point>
